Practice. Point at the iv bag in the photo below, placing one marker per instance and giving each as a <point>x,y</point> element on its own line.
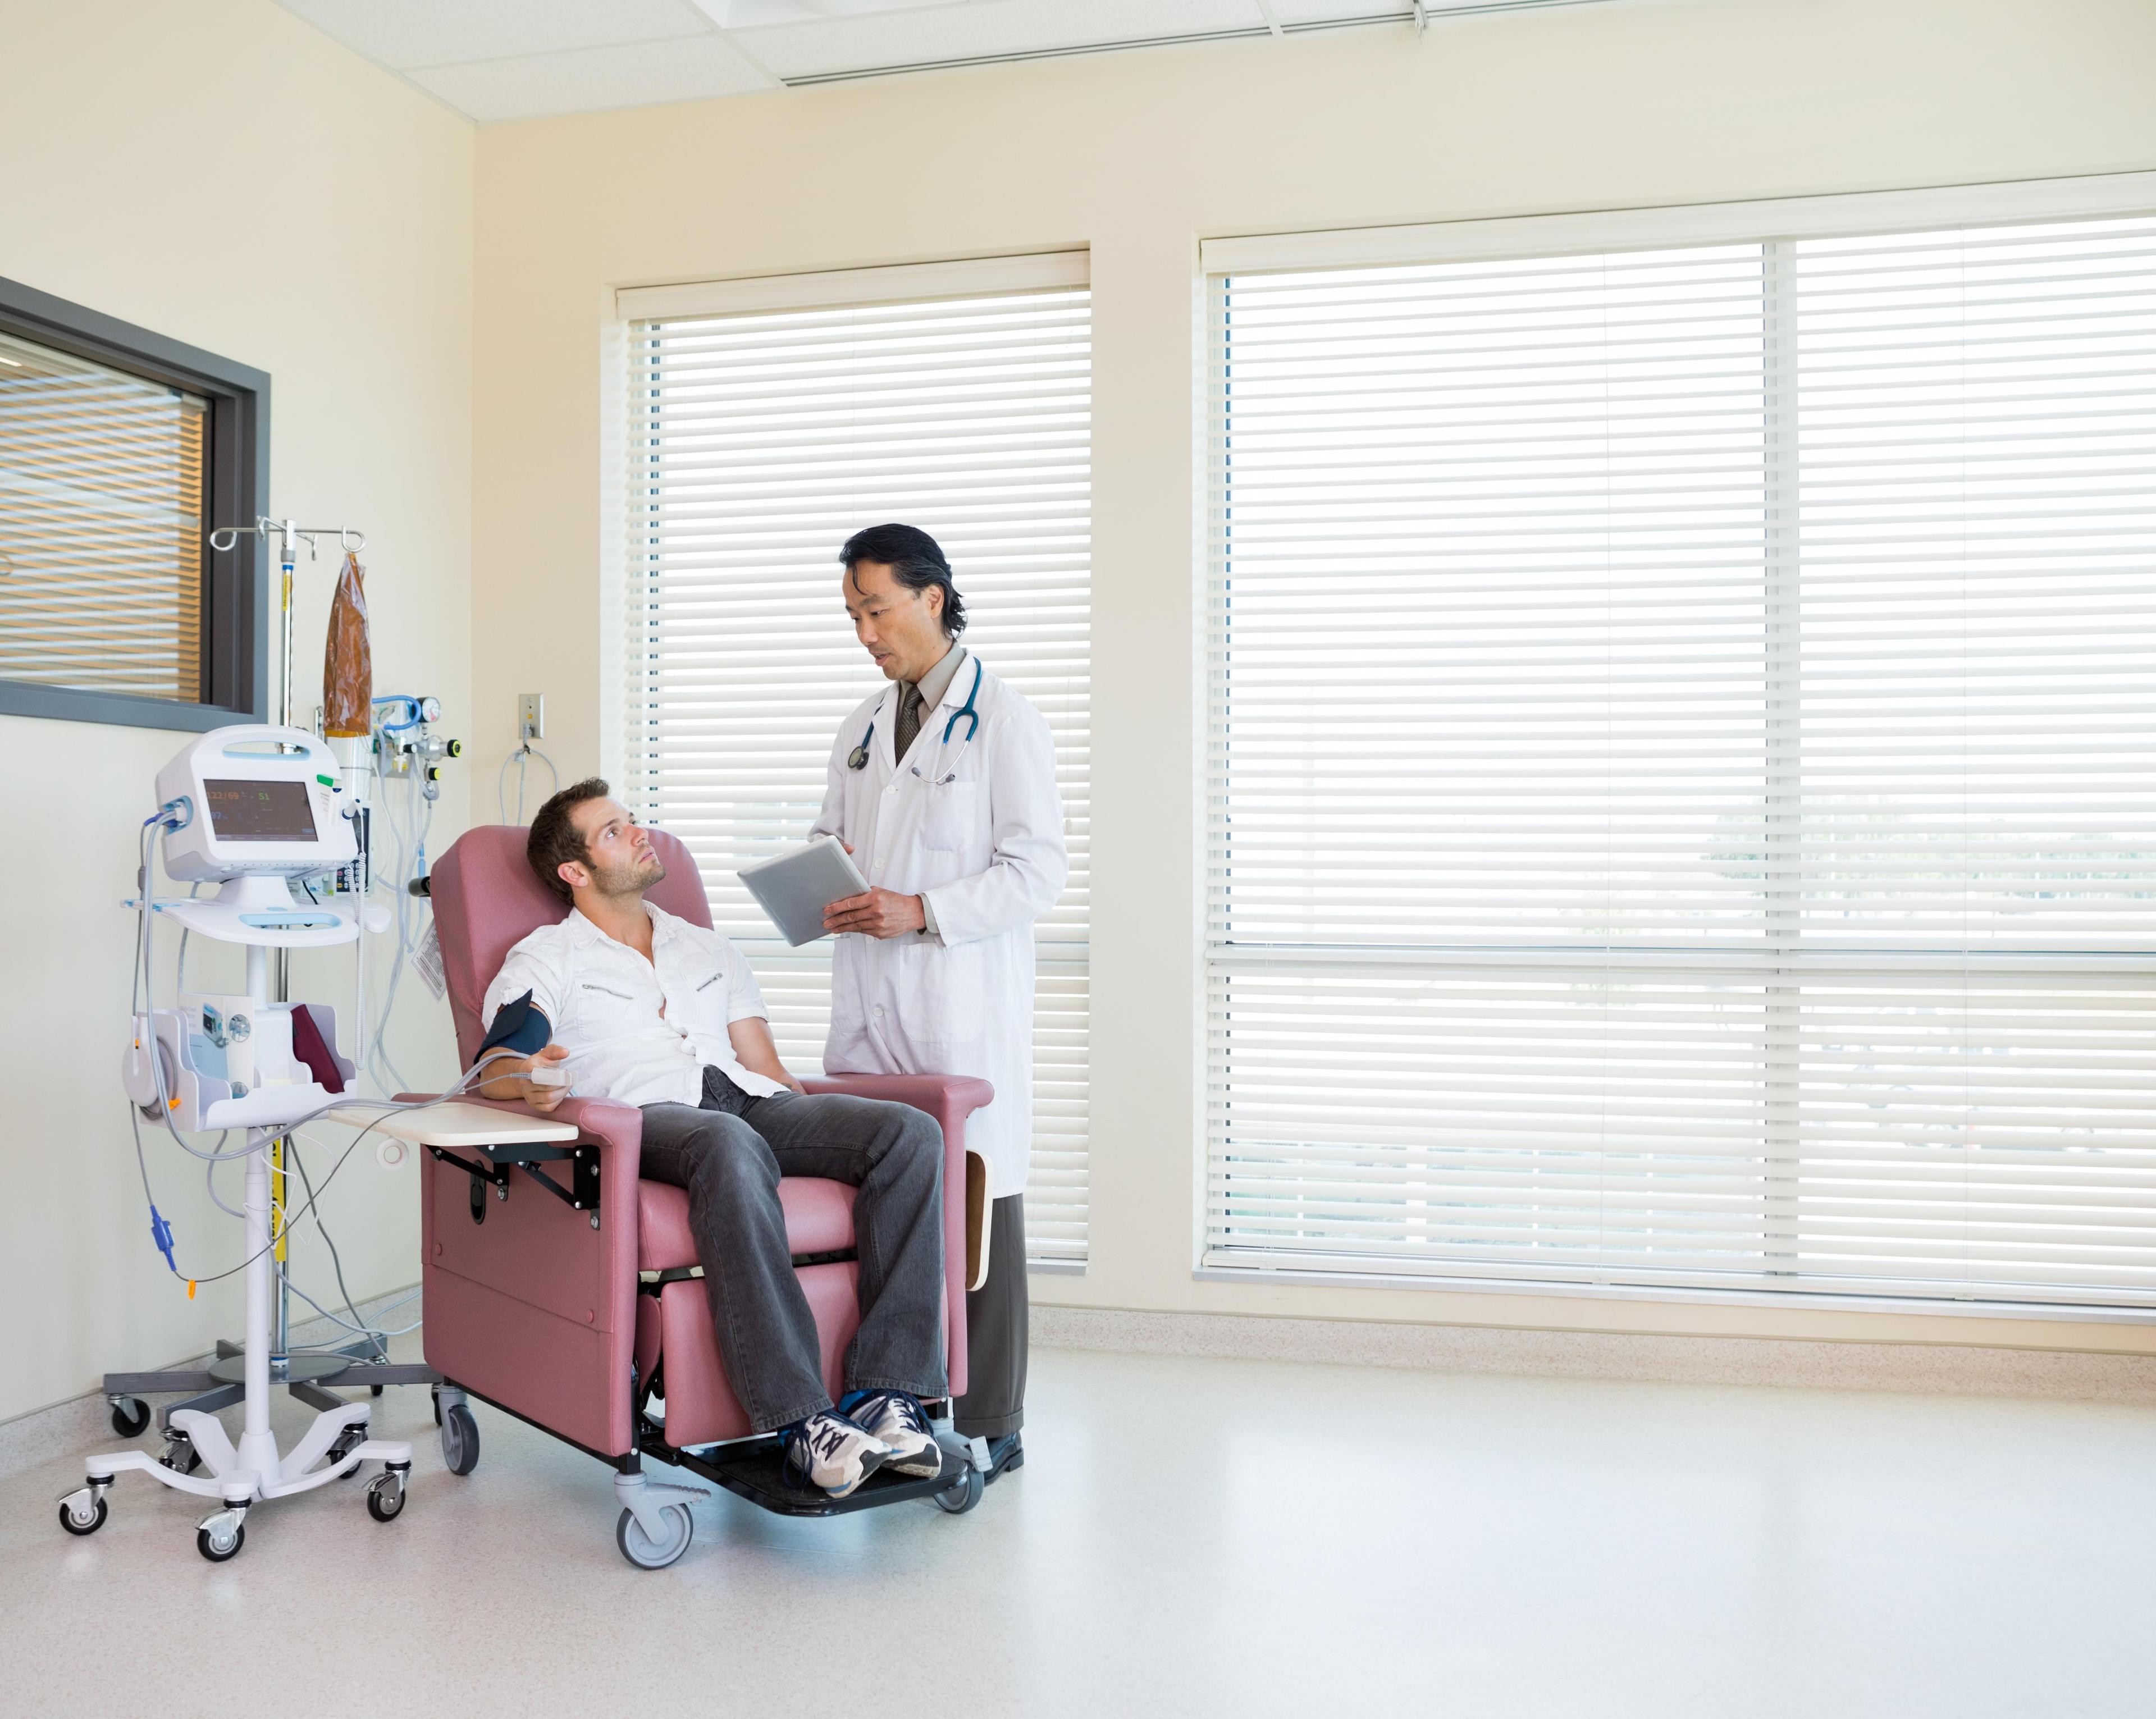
<point>348,659</point>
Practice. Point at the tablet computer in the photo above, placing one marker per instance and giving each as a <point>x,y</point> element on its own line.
<point>794,888</point>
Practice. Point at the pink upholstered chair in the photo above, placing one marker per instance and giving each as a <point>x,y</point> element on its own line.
<point>584,1319</point>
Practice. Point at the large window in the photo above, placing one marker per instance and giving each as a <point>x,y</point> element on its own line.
<point>119,450</point>
<point>1683,763</point>
<point>768,421</point>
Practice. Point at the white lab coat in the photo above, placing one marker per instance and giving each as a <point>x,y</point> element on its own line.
<point>986,849</point>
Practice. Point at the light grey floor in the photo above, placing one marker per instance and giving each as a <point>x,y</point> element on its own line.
<point>1189,1536</point>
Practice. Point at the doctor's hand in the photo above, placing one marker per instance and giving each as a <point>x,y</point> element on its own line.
<point>881,913</point>
<point>508,1078</point>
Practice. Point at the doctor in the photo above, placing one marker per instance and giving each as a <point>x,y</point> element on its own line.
<point>942,786</point>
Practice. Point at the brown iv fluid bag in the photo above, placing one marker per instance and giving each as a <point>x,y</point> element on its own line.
<point>348,661</point>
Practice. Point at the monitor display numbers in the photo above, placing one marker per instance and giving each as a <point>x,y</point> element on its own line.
<point>241,811</point>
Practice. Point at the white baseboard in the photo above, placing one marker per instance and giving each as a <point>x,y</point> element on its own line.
<point>1954,1369</point>
<point>85,1422</point>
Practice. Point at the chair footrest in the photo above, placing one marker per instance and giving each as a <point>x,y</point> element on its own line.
<point>756,1469</point>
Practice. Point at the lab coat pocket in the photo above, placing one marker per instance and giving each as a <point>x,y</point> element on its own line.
<point>947,824</point>
<point>944,993</point>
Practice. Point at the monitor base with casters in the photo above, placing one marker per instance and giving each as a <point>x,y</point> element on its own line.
<point>253,1471</point>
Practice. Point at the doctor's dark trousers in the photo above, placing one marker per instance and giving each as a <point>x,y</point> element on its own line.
<point>729,1152</point>
<point>996,1320</point>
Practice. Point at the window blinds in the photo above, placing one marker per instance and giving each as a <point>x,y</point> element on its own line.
<point>1682,766</point>
<point>101,488</point>
<point>759,442</point>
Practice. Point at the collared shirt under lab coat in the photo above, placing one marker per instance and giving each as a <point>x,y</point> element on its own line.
<point>986,848</point>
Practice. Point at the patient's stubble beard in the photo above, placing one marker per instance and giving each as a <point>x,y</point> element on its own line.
<point>628,878</point>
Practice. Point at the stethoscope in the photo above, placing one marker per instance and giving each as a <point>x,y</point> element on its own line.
<point>858,758</point>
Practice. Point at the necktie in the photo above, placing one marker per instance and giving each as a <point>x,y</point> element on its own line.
<point>909,719</point>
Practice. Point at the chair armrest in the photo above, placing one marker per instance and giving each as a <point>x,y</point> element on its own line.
<point>950,1099</point>
<point>958,1096</point>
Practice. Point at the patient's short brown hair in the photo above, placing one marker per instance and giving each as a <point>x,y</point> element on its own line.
<point>554,842</point>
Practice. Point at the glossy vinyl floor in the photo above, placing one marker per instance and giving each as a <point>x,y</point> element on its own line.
<point>1189,1537</point>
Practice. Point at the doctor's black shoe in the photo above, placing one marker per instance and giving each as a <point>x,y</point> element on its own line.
<point>898,1421</point>
<point>1006,1452</point>
<point>829,1451</point>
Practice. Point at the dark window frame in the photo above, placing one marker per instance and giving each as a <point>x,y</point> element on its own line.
<point>236,584</point>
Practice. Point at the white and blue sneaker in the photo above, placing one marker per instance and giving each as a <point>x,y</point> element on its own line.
<point>901,1422</point>
<point>830,1451</point>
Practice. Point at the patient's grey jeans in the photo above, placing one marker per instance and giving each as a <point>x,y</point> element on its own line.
<point>729,1153</point>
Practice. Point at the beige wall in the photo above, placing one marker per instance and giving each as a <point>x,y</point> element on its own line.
<point>1140,155</point>
<point>223,174</point>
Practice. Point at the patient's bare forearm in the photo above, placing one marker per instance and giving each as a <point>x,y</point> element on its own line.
<point>506,1082</point>
<point>756,1051</point>
<point>517,1077</point>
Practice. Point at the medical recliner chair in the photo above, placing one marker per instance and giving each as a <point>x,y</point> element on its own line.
<point>563,1289</point>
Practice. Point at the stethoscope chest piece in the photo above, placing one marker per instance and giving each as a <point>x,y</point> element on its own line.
<point>858,759</point>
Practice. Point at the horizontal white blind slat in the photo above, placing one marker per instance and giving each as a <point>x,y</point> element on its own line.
<point>761,438</point>
<point>1678,793</point>
<point>102,479</point>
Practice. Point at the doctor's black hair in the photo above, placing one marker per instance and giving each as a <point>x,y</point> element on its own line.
<point>916,560</point>
<point>553,841</point>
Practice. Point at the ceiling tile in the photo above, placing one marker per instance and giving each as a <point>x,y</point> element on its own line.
<point>641,75</point>
<point>1335,11</point>
<point>1345,11</point>
<point>404,33</point>
<point>983,29</point>
<point>742,15</point>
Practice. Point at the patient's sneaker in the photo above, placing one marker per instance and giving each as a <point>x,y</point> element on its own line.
<point>897,1420</point>
<point>832,1452</point>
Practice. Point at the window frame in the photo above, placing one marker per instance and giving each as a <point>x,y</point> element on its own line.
<point>622,568</point>
<point>236,583</point>
<point>1774,225</point>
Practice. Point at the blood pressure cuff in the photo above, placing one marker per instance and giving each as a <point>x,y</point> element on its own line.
<point>519,1026</point>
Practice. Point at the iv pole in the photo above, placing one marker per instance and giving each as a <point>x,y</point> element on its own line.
<point>224,1382</point>
<point>288,534</point>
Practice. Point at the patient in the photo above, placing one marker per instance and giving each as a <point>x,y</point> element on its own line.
<point>637,1006</point>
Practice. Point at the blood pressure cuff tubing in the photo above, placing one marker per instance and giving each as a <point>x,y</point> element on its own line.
<point>519,1026</point>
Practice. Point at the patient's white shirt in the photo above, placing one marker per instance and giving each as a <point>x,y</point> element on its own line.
<point>637,1031</point>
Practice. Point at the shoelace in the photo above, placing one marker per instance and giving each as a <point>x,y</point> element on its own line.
<point>897,1405</point>
<point>819,1435</point>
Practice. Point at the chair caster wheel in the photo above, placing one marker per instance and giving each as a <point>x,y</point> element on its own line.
<point>348,1441</point>
<point>180,1455</point>
<point>961,1495</point>
<point>385,1497</point>
<point>374,1390</point>
<point>218,1545</point>
<point>460,1440</point>
<point>647,1553</point>
<point>87,1523</point>
<point>130,1415</point>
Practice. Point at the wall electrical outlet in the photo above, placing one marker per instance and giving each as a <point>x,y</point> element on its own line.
<point>531,715</point>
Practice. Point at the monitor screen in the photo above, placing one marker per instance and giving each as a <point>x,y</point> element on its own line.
<point>241,811</point>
